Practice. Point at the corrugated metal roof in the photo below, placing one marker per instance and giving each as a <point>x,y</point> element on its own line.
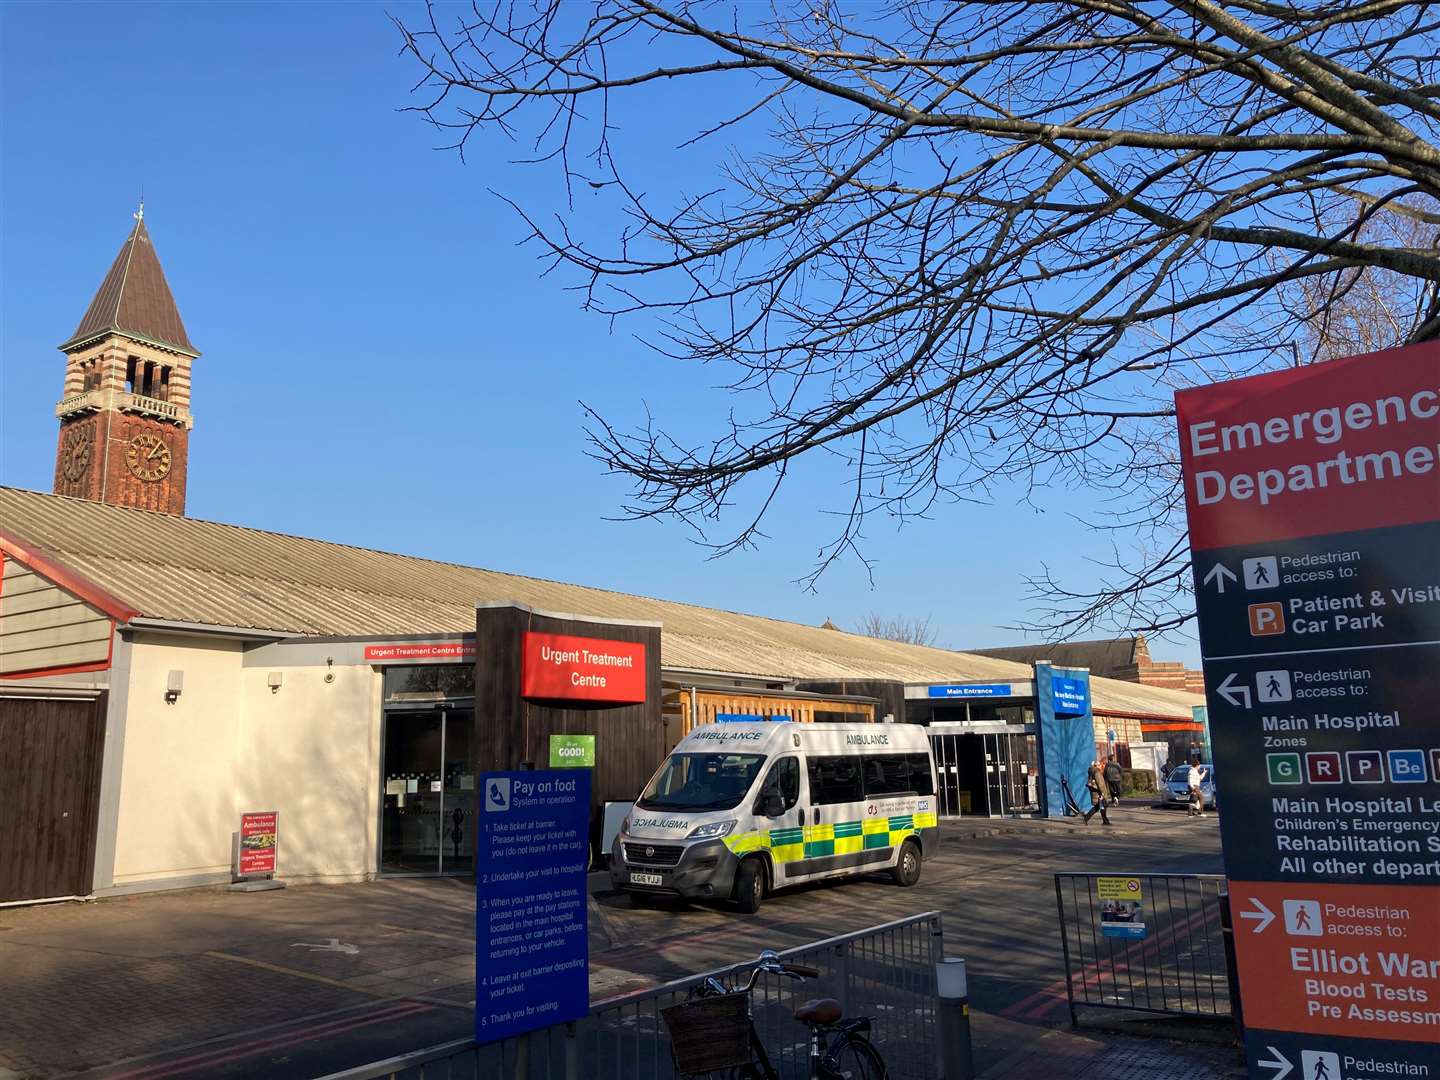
<point>187,570</point>
<point>135,299</point>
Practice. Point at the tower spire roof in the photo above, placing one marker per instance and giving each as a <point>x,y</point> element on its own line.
<point>134,299</point>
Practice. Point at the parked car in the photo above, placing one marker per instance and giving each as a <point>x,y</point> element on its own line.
<point>1177,786</point>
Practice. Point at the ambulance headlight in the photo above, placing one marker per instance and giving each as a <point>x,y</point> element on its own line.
<point>712,830</point>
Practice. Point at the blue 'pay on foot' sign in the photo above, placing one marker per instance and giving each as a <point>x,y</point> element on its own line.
<point>532,962</point>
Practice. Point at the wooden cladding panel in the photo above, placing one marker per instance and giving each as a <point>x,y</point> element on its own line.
<point>50,760</point>
<point>802,710</point>
<point>43,626</point>
<point>630,740</point>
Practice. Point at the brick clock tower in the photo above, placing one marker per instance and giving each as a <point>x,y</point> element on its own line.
<point>125,413</point>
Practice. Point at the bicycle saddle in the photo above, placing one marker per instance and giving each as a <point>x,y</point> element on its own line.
<point>821,1012</point>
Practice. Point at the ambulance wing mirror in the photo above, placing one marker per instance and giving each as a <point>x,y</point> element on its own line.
<point>770,805</point>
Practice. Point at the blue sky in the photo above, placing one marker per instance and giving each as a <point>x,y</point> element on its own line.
<point>382,363</point>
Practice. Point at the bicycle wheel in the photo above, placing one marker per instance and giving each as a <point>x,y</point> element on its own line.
<point>852,1058</point>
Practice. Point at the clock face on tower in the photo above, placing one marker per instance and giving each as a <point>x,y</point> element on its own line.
<point>75,458</point>
<point>148,457</point>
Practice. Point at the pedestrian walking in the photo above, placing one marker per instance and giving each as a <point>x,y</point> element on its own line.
<point>1197,795</point>
<point>1114,778</point>
<point>1095,784</point>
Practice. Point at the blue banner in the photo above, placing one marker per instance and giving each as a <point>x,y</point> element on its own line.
<point>973,690</point>
<point>1065,740</point>
<point>748,718</point>
<point>532,954</point>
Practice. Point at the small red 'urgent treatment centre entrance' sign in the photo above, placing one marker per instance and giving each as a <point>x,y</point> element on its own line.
<point>560,666</point>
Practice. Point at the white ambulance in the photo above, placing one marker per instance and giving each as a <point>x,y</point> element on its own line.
<point>740,809</point>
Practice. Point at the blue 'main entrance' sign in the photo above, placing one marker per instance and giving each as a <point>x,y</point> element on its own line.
<point>972,690</point>
<point>532,955</point>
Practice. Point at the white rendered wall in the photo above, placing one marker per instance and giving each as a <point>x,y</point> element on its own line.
<point>177,782</point>
<point>309,750</point>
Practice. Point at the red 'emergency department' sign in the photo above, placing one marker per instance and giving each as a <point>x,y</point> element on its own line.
<point>1313,450</point>
<point>563,667</point>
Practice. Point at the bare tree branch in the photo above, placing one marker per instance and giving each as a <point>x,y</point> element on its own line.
<point>956,251</point>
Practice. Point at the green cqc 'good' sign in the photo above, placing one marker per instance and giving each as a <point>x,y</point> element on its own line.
<point>572,751</point>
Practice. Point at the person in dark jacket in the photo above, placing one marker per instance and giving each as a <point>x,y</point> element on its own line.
<point>1114,777</point>
<point>1095,784</point>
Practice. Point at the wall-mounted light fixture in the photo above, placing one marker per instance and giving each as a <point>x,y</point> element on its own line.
<point>274,679</point>
<point>329,664</point>
<point>174,683</point>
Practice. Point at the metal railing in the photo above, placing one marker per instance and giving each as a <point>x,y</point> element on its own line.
<point>886,972</point>
<point>1166,956</point>
<point>117,399</point>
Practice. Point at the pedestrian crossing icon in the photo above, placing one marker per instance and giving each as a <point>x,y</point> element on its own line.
<point>1260,573</point>
<point>1272,685</point>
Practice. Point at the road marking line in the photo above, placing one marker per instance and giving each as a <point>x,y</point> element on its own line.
<point>1113,967</point>
<point>280,969</point>
<point>217,1041</point>
<point>1044,1000</point>
<point>428,933</point>
<point>223,1054</point>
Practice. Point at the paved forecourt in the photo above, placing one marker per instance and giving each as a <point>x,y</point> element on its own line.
<point>307,980</point>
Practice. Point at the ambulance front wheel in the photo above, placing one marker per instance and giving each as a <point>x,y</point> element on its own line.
<point>750,886</point>
<point>907,867</point>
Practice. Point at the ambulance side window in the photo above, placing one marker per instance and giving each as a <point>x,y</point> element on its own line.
<point>835,780</point>
<point>922,782</point>
<point>784,781</point>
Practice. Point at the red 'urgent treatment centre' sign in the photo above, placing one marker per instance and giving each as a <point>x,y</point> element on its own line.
<point>563,667</point>
<point>1313,498</point>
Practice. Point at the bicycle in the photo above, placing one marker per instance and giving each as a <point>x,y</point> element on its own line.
<point>713,1033</point>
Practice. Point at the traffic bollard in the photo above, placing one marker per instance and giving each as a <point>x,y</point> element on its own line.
<point>957,1061</point>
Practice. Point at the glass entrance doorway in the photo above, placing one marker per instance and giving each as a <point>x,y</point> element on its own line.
<point>986,773</point>
<point>428,791</point>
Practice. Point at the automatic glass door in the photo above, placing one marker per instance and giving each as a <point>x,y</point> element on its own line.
<point>427,790</point>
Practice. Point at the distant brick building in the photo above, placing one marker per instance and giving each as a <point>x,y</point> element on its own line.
<point>125,411</point>
<point>1126,658</point>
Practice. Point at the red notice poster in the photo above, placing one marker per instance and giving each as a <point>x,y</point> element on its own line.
<point>259,841</point>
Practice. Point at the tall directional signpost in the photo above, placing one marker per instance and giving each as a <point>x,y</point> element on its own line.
<point>1314,507</point>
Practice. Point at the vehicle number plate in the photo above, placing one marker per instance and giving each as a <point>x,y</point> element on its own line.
<point>646,879</point>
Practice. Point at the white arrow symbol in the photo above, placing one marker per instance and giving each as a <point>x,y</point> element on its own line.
<point>1262,915</point>
<point>1280,1063</point>
<point>1235,695</point>
<point>333,945</point>
<point>1217,575</point>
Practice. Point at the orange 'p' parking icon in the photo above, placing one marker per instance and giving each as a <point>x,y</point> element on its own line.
<point>1266,619</point>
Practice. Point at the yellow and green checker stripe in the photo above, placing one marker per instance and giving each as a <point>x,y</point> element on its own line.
<point>841,838</point>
